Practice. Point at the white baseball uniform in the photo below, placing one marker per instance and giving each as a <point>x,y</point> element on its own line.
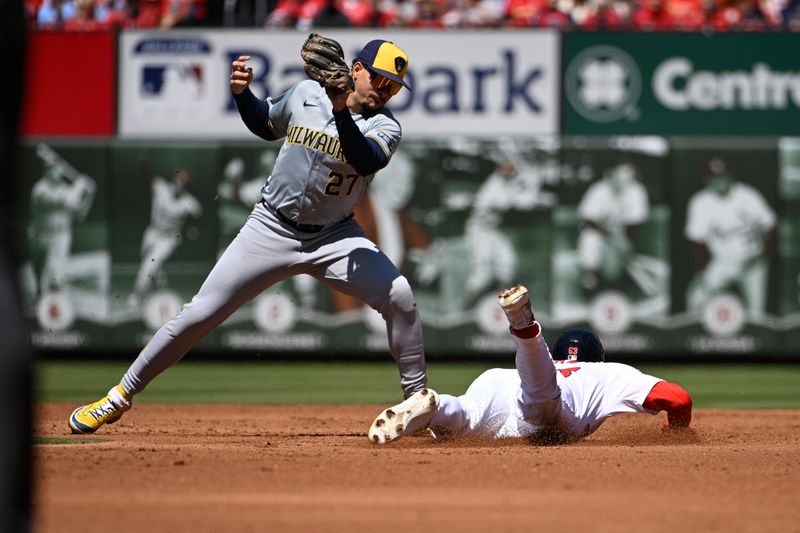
<point>733,228</point>
<point>171,207</point>
<point>612,208</point>
<point>55,204</point>
<point>570,400</point>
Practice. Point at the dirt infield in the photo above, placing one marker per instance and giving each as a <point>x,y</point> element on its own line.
<point>239,468</point>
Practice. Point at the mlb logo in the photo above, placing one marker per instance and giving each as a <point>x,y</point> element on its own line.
<point>178,80</point>
<point>572,350</point>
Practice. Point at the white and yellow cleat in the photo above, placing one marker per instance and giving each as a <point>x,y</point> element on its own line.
<point>517,306</point>
<point>106,410</point>
<point>405,418</point>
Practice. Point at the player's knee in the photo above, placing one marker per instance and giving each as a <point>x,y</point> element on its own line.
<point>396,296</point>
<point>400,293</point>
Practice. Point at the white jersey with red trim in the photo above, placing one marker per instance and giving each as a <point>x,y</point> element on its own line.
<point>592,392</point>
<point>570,399</point>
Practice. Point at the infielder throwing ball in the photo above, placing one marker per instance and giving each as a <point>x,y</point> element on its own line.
<point>338,135</point>
<point>549,399</point>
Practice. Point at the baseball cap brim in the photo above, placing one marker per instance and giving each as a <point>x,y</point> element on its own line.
<point>389,75</point>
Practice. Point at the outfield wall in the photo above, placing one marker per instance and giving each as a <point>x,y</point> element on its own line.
<point>461,217</point>
<point>493,184</point>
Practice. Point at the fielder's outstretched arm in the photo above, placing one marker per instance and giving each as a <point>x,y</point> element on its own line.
<point>254,112</point>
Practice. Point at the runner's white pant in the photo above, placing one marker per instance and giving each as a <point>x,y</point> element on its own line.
<point>498,398</point>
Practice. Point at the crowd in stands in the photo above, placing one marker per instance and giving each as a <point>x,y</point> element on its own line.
<point>589,15</point>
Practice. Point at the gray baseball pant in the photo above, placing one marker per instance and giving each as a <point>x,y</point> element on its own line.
<point>267,251</point>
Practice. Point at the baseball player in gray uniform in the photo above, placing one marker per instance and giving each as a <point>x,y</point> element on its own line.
<point>336,139</point>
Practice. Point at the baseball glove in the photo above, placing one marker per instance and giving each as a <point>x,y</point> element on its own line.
<point>324,62</point>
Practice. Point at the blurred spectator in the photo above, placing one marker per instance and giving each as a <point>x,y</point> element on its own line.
<point>523,13</point>
<point>669,15</point>
<point>387,13</point>
<point>182,13</point>
<point>790,15</point>
<point>684,15</point>
<point>472,14</point>
<point>650,15</point>
<point>285,14</point>
<point>555,14</point>
<point>142,13</point>
<point>723,15</point>
<point>603,15</point>
<point>429,14</point>
<point>330,16</point>
<point>53,13</point>
<point>302,15</point>
<point>583,11</point>
<point>405,12</point>
<point>31,8</point>
<point>588,15</point>
<point>756,16</point>
<point>110,12</point>
<point>773,12</point>
<point>83,19</point>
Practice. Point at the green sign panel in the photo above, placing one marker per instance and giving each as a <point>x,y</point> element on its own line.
<point>684,245</point>
<point>741,84</point>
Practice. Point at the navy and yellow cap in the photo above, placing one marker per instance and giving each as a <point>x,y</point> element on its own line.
<point>385,58</point>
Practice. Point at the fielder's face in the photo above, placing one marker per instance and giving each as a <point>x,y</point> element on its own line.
<point>372,90</point>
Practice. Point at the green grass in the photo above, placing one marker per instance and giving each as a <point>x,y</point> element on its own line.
<point>726,386</point>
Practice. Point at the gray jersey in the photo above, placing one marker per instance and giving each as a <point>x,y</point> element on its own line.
<point>312,183</point>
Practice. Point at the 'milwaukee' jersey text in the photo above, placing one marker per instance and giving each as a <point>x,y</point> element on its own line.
<point>312,181</point>
<point>316,140</point>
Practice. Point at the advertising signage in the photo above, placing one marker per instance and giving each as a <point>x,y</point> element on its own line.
<point>729,84</point>
<point>175,84</point>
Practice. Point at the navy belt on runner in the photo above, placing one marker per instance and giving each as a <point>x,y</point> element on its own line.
<point>305,228</point>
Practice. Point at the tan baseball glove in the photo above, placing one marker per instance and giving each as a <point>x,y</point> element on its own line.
<point>324,62</point>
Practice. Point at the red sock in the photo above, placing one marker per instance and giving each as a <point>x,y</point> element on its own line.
<point>528,332</point>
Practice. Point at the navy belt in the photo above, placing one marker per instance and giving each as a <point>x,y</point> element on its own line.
<point>305,228</point>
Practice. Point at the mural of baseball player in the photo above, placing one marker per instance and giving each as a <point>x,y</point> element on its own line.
<point>61,197</point>
<point>238,193</point>
<point>246,192</point>
<point>495,180</point>
<point>493,257</point>
<point>548,398</point>
<point>732,231</point>
<point>172,207</point>
<point>611,210</point>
